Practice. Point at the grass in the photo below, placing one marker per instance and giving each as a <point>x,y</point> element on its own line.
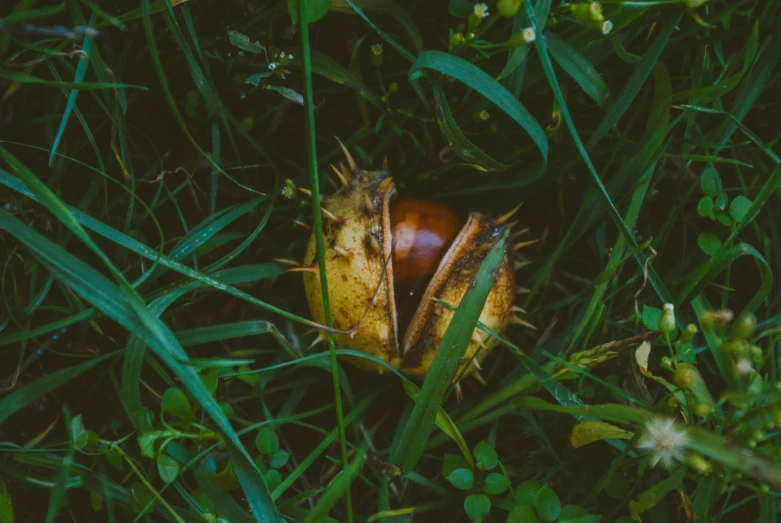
<point>154,348</point>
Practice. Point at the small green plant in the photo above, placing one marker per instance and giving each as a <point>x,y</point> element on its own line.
<point>488,487</point>
<point>716,205</point>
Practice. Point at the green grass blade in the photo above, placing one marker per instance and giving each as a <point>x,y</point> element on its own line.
<point>57,496</point>
<point>579,68</point>
<point>20,398</point>
<point>332,436</point>
<point>226,331</point>
<point>327,67</point>
<point>317,227</point>
<point>474,77</point>
<point>704,275</point>
<point>639,75</point>
<point>25,15</point>
<point>449,355</point>
<point>547,66</point>
<point>127,308</point>
<point>153,255</point>
<point>407,24</point>
<point>24,78</point>
<point>460,144</point>
<point>81,71</point>
<point>27,334</point>
<point>338,488</point>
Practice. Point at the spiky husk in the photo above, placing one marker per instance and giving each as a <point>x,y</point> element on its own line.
<point>357,238</point>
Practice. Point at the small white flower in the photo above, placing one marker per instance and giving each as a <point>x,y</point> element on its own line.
<point>290,57</point>
<point>743,367</point>
<point>481,10</point>
<point>272,66</point>
<point>529,35</point>
<point>607,26</point>
<point>665,440</point>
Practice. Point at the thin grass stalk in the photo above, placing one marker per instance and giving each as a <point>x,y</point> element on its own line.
<point>318,231</point>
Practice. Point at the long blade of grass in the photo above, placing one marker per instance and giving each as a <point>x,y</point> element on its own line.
<point>386,6</point>
<point>635,83</point>
<point>338,488</point>
<point>311,138</point>
<point>24,78</point>
<point>23,396</point>
<point>449,356</point>
<point>81,71</point>
<point>127,308</point>
<point>153,255</point>
<point>57,496</point>
<point>579,68</point>
<point>460,144</point>
<point>547,66</point>
<point>474,77</point>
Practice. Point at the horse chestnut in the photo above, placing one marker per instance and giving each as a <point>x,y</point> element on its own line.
<point>388,258</point>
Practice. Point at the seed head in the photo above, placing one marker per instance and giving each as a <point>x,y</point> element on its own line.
<point>664,440</point>
<point>667,321</point>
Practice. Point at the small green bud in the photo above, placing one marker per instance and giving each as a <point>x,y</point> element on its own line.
<point>698,463</point>
<point>777,419</point>
<point>456,40</point>
<point>737,348</point>
<point>685,375</point>
<point>508,8</point>
<point>759,435</point>
<point>688,334</point>
<point>581,11</point>
<point>393,87</point>
<point>701,410</point>
<point>744,326</point>
<point>757,354</point>
<point>376,58</point>
<point>484,115</point>
<point>708,322</point>
<point>666,363</point>
<point>667,321</point>
<point>763,489</point>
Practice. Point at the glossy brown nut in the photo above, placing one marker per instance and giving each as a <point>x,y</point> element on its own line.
<point>422,230</point>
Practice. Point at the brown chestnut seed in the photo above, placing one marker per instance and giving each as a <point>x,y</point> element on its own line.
<point>388,259</point>
<point>422,231</point>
